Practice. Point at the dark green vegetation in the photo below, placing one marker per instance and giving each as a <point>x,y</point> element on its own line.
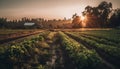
<point>84,49</point>
<point>81,56</point>
<point>33,52</point>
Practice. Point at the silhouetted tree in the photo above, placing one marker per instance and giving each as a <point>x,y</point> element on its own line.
<point>2,22</point>
<point>98,16</point>
<point>92,16</point>
<point>104,9</point>
<point>74,16</point>
<point>77,23</point>
<point>115,18</point>
<point>88,11</point>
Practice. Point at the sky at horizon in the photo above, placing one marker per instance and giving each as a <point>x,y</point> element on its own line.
<point>48,9</point>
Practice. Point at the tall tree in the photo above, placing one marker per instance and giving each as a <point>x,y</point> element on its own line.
<point>115,18</point>
<point>91,14</point>
<point>98,16</point>
<point>104,10</point>
<point>77,23</point>
<point>2,22</point>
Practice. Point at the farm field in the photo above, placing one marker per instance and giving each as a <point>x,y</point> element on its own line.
<point>11,31</point>
<point>63,49</point>
<point>7,34</point>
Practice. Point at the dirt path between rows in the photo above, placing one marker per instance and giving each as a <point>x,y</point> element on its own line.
<point>59,59</point>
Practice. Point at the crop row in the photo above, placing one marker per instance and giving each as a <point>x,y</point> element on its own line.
<point>32,53</point>
<point>100,40</point>
<point>80,55</point>
<point>110,51</point>
<point>110,35</point>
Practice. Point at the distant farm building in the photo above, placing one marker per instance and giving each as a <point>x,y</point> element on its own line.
<point>29,25</point>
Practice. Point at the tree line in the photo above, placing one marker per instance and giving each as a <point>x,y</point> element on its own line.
<point>100,16</point>
<point>40,23</point>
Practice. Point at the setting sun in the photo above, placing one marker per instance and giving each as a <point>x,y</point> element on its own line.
<point>83,24</point>
<point>83,21</point>
<point>82,18</point>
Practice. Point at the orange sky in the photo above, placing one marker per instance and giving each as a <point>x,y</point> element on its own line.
<point>48,9</point>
